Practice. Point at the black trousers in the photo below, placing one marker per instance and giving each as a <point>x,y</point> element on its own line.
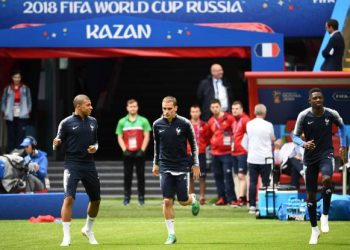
<point>15,132</point>
<point>129,163</point>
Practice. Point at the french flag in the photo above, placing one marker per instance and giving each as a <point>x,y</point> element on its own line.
<point>267,49</point>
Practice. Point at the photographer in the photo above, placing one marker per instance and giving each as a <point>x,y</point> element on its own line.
<point>37,158</point>
<point>16,175</point>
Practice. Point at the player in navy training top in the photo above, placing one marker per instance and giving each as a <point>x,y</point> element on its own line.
<point>316,124</point>
<point>171,133</point>
<point>79,134</point>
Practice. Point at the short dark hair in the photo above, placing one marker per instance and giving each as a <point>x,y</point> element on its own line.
<point>314,90</point>
<point>16,72</point>
<point>170,99</point>
<point>130,101</point>
<point>79,99</point>
<point>195,106</point>
<point>333,23</point>
<point>237,103</point>
<point>213,101</point>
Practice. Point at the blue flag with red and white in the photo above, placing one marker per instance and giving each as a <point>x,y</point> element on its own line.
<point>267,49</point>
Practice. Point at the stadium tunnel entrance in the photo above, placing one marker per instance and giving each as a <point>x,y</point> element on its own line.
<point>110,82</point>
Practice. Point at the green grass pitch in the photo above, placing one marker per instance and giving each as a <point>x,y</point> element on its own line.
<point>135,227</point>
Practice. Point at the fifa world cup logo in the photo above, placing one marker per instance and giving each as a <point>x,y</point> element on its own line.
<point>276,96</point>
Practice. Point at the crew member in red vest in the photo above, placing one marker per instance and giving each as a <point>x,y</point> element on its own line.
<point>239,154</point>
<point>201,131</point>
<point>220,127</point>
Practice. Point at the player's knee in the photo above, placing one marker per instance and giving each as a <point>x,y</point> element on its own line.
<point>311,196</point>
<point>96,203</point>
<point>241,177</point>
<point>68,201</point>
<point>168,202</point>
<point>327,181</point>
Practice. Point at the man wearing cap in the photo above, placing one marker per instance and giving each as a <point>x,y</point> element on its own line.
<point>35,156</point>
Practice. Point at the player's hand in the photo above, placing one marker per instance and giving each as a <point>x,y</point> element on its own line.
<point>155,170</point>
<point>310,145</point>
<point>196,172</point>
<point>92,149</point>
<point>56,141</point>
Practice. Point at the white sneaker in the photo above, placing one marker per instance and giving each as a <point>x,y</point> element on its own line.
<point>90,236</point>
<point>324,223</point>
<point>252,210</point>
<point>65,242</point>
<point>315,234</point>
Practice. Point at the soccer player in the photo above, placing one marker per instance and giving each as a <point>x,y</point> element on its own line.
<point>79,134</point>
<point>171,133</point>
<point>316,124</point>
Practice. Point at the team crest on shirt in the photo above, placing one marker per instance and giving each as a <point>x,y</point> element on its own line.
<point>326,121</point>
<point>178,131</point>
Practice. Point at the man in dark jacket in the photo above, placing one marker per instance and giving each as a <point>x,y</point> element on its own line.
<point>333,53</point>
<point>214,87</point>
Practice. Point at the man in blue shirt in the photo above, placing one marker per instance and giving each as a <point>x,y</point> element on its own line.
<point>36,156</point>
<point>79,134</point>
<point>316,124</point>
<point>171,133</point>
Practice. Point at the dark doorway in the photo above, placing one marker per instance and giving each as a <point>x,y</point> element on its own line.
<point>111,82</point>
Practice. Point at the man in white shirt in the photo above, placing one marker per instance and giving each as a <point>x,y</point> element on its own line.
<point>260,136</point>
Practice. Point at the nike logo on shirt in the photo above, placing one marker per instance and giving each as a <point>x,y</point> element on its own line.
<point>75,127</point>
<point>308,123</point>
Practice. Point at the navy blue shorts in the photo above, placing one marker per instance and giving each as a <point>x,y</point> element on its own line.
<point>89,179</point>
<point>240,165</point>
<point>326,166</point>
<point>174,184</point>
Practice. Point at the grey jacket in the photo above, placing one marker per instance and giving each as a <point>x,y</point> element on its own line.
<point>8,100</point>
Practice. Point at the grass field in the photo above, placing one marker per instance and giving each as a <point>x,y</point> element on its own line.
<point>135,227</point>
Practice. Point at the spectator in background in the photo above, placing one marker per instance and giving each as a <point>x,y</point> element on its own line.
<point>201,130</point>
<point>214,87</point>
<point>290,159</point>
<point>36,156</point>
<point>239,154</point>
<point>220,130</point>
<point>133,138</point>
<point>334,50</point>
<point>260,136</point>
<point>16,106</point>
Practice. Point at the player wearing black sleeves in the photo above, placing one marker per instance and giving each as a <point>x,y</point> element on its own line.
<point>79,134</point>
<point>316,124</point>
<point>171,133</point>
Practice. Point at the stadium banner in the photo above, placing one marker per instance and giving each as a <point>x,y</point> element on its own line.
<point>132,32</point>
<point>291,17</point>
<point>286,103</point>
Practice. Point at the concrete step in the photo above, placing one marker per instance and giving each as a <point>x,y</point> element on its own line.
<point>111,175</point>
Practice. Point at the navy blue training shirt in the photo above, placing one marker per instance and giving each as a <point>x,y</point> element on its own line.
<point>319,129</point>
<point>170,144</point>
<point>77,135</point>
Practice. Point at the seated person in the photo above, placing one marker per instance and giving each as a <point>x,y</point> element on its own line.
<point>37,158</point>
<point>291,157</point>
